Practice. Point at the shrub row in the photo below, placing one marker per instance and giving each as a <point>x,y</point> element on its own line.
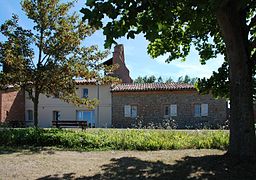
<point>124,139</point>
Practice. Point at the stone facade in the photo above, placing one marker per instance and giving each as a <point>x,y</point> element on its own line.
<point>151,108</point>
<point>12,105</point>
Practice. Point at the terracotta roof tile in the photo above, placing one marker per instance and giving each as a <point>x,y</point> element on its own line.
<point>152,87</point>
<point>85,81</point>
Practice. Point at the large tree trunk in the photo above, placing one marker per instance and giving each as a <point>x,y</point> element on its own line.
<point>242,132</point>
<point>36,102</point>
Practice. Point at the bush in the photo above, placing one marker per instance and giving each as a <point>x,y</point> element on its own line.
<point>125,139</point>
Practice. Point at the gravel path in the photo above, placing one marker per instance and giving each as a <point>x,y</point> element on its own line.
<point>175,164</point>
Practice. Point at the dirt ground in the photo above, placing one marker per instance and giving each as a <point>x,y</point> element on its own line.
<point>175,164</point>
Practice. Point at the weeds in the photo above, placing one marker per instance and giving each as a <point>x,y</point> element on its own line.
<point>124,139</point>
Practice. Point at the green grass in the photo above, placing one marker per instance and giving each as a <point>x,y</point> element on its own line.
<point>114,139</point>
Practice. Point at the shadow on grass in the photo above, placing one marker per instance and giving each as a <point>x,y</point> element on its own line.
<point>205,167</point>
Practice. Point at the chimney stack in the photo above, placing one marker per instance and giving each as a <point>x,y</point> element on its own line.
<point>118,54</point>
<point>118,58</point>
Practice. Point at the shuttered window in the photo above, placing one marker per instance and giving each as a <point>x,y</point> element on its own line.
<point>201,110</point>
<point>133,111</point>
<point>197,110</point>
<point>127,111</point>
<point>166,110</point>
<point>173,109</point>
<point>130,111</point>
<point>204,109</point>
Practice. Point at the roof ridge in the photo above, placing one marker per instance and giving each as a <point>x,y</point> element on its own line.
<point>152,86</point>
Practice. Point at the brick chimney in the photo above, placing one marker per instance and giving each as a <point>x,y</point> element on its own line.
<point>118,58</point>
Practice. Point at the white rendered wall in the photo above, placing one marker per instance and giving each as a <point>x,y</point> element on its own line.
<point>68,111</point>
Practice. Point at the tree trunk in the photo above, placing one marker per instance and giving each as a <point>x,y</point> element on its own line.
<point>232,22</point>
<point>36,101</point>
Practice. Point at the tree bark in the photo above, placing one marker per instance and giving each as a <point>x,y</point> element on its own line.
<point>36,102</point>
<point>232,22</point>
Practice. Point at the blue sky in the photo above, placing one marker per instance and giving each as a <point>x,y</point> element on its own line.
<point>136,57</point>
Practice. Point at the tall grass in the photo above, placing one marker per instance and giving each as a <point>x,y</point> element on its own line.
<point>106,139</point>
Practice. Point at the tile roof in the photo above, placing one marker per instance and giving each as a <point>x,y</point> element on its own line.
<point>85,81</point>
<point>152,87</point>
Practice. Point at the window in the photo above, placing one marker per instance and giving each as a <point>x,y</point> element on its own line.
<point>173,110</point>
<point>201,110</point>
<point>130,111</point>
<point>170,110</point>
<point>166,110</point>
<point>85,93</point>
<point>133,111</point>
<point>56,115</point>
<point>127,111</point>
<point>88,116</point>
<point>204,109</point>
<point>30,115</point>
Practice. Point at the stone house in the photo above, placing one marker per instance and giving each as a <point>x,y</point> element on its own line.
<point>121,105</point>
<point>155,102</point>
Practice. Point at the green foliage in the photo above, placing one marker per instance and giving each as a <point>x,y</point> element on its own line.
<point>160,80</point>
<point>187,80</point>
<point>217,84</point>
<point>169,80</point>
<point>45,60</point>
<point>145,79</point>
<point>188,23</point>
<point>153,79</point>
<point>129,139</point>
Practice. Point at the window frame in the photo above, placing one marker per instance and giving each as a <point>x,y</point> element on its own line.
<point>56,115</point>
<point>91,122</point>
<point>130,111</point>
<point>30,114</point>
<point>197,110</point>
<point>176,110</point>
<point>203,110</point>
<point>166,109</point>
<point>134,107</point>
<point>83,94</point>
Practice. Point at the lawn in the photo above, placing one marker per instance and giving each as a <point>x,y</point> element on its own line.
<point>118,154</point>
<point>163,164</point>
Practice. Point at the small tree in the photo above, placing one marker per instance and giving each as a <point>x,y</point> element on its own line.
<point>187,80</point>
<point>160,80</point>
<point>138,80</point>
<point>169,80</point>
<point>45,60</point>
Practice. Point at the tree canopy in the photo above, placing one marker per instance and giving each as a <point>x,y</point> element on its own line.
<point>47,58</point>
<point>153,79</point>
<point>213,27</point>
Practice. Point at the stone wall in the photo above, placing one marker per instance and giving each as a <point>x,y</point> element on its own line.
<point>12,105</point>
<point>150,108</point>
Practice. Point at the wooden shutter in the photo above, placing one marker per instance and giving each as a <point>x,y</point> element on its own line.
<point>173,109</point>
<point>197,110</point>
<point>127,111</point>
<point>204,109</point>
<point>134,111</point>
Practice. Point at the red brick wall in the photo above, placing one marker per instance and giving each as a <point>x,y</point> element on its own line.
<point>12,105</point>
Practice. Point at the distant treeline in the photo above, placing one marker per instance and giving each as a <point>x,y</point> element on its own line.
<point>152,79</point>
